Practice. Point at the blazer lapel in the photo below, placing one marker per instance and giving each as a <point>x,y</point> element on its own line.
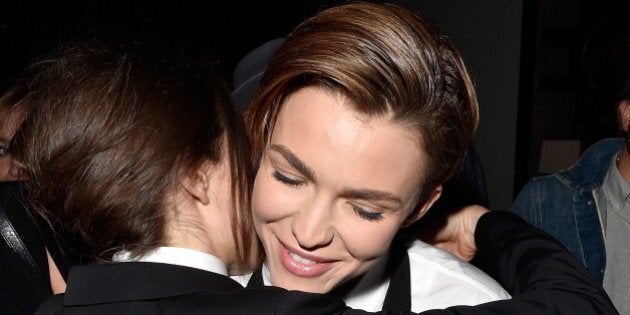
<point>398,297</point>
<point>256,280</point>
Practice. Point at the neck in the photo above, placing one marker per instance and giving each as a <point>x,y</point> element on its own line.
<point>188,230</point>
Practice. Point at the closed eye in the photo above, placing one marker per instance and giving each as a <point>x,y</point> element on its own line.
<point>368,215</point>
<point>287,180</point>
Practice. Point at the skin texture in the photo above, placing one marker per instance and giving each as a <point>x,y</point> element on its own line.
<point>200,219</point>
<point>456,233</point>
<point>57,284</point>
<point>333,188</point>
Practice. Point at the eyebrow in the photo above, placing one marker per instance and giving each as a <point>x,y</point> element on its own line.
<point>294,161</point>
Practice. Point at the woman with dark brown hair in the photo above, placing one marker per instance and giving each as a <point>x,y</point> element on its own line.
<point>141,156</point>
<point>119,137</point>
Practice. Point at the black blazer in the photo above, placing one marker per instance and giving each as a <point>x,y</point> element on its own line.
<point>152,288</point>
<point>543,277</point>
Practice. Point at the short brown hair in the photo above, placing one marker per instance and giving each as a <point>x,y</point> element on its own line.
<point>113,129</point>
<point>387,61</point>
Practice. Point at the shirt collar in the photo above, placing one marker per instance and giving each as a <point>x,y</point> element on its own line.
<point>266,275</point>
<point>177,256</point>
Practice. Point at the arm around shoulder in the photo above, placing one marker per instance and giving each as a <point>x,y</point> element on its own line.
<point>542,276</point>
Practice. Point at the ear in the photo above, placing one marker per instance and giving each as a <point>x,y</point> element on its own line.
<point>197,186</point>
<point>422,209</point>
<point>624,114</point>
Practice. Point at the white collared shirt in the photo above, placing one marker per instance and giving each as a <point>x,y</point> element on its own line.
<point>438,280</point>
<point>177,256</point>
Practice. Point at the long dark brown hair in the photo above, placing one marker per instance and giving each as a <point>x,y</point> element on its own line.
<point>114,128</point>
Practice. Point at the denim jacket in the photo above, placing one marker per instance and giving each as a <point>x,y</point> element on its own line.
<point>565,204</point>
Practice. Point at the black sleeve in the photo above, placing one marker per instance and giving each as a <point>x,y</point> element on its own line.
<point>540,274</point>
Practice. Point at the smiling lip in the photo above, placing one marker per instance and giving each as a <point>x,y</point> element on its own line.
<point>302,265</point>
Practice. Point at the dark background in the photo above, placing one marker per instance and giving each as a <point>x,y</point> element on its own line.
<point>226,31</point>
<point>526,57</point>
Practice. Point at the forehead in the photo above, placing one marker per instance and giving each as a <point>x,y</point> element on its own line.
<point>323,131</point>
<point>313,103</point>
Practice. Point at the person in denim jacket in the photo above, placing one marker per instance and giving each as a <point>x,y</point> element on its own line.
<point>565,204</point>
<point>586,206</point>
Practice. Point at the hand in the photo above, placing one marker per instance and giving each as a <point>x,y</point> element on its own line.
<point>454,232</point>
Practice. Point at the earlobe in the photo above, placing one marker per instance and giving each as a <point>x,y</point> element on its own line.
<point>197,187</point>
<point>422,209</point>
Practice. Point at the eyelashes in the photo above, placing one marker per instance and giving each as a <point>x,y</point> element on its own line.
<point>368,215</point>
<point>364,214</point>
<point>287,180</point>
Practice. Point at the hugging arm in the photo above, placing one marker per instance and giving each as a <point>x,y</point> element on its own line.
<point>540,274</point>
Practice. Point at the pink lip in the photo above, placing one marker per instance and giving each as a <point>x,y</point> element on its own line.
<point>301,269</point>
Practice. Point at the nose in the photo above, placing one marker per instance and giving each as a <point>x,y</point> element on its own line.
<point>313,226</point>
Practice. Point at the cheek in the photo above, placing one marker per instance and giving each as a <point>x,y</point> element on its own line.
<point>269,203</point>
<point>370,240</point>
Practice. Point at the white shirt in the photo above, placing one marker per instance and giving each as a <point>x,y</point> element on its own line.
<point>177,256</point>
<point>438,280</point>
